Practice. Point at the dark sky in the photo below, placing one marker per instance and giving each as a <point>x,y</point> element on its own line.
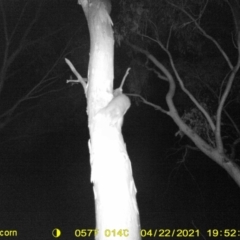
<point>44,166</point>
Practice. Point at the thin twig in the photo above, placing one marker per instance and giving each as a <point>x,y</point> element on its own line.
<point>222,102</point>
<point>79,77</point>
<point>149,103</point>
<point>124,78</point>
<point>224,109</point>
<point>205,34</point>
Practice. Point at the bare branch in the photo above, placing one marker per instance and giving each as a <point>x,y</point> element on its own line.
<point>168,75</point>
<point>205,34</point>
<point>202,11</point>
<point>47,92</point>
<point>169,37</point>
<point>224,109</point>
<point>31,94</point>
<point>4,23</point>
<point>235,11</point>
<point>30,26</point>
<point>194,100</point>
<point>18,21</point>
<point>222,102</point>
<point>124,78</point>
<point>222,84</point>
<point>8,115</point>
<point>9,58</point>
<point>79,77</point>
<point>148,103</point>
<point>39,90</point>
<point>173,113</point>
<point>232,121</point>
<point>157,73</point>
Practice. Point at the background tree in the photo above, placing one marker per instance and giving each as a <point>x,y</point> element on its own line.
<point>202,66</point>
<point>29,49</point>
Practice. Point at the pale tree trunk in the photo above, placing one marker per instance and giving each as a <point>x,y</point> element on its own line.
<point>117,214</point>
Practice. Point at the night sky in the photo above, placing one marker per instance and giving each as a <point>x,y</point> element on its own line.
<point>44,158</point>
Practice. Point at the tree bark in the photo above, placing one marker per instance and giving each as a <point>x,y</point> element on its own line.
<point>111,174</point>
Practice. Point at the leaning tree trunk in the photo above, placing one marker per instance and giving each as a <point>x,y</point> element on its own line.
<point>117,214</point>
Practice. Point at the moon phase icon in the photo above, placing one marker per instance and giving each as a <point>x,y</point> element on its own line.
<point>56,232</point>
